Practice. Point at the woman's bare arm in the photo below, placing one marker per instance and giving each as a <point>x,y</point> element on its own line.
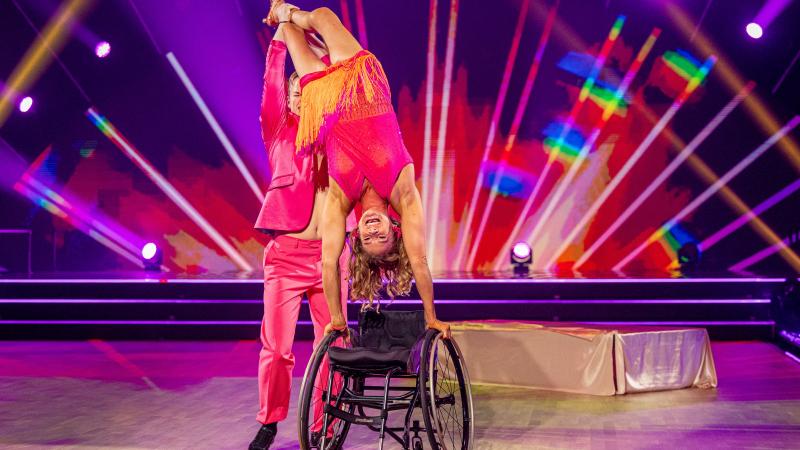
<point>412,222</point>
<point>337,206</point>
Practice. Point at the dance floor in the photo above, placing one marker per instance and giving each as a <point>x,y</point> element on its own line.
<point>202,395</point>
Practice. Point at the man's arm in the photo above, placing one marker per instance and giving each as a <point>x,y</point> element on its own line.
<point>274,96</point>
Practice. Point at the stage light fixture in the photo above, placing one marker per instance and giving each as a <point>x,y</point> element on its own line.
<point>25,104</point>
<point>754,30</point>
<point>152,257</point>
<point>689,256</point>
<point>521,258</point>
<point>102,49</point>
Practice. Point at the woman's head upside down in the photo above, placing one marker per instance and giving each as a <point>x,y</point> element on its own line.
<point>378,259</point>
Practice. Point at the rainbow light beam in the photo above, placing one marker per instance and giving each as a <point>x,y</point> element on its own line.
<point>587,85</point>
<point>709,177</point>
<point>688,150</point>
<point>442,139</point>
<point>744,218</point>
<point>80,212</point>
<point>516,122</point>
<point>735,83</point>
<point>608,112</point>
<point>108,129</point>
<point>493,124</point>
<point>73,211</point>
<point>212,121</point>
<point>92,225</point>
<point>711,190</point>
<point>754,106</point>
<point>78,224</point>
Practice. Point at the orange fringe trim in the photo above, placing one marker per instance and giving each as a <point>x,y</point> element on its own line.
<point>347,87</point>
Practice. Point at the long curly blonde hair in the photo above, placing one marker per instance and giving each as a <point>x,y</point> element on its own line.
<point>369,274</point>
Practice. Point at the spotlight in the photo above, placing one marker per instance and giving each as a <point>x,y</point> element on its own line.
<point>521,258</point>
<point>152,257</point>
<point>754,30</point>
<point>102,49</point>
<point>25,104</point>
<point>689,256</point>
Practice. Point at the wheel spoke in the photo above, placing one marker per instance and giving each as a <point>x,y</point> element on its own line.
<point>313,400</point>
<point>450,397</point>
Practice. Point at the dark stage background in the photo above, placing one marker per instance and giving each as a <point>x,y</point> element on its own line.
<point>528,120</point>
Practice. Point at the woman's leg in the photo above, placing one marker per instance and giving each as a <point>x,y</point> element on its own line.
<point>303,57</point>
<point>341,44</point>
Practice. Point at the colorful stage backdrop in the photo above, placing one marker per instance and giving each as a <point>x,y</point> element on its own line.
<point>607,134</point>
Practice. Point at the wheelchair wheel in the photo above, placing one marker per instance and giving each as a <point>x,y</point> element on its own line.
<point>310,417</point>
<point>446,397</point>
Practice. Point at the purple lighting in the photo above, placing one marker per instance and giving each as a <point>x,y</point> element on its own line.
<point>754,30</point>
<point>102,49</point>
<point>152,257</point>
<point>149,250</point>
<point>521,251</point>
<point>25,104</point>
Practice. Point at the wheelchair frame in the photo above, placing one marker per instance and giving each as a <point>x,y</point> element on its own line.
<point>347,406</point>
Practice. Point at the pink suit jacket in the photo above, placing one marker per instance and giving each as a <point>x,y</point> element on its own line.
<point>290,196</point>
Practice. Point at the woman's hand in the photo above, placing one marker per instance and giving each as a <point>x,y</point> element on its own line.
<point>336,325</point>
<point>443,327</point>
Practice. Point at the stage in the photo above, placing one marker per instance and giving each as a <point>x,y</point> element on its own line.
<point>605,194</point>
<point>137,360</point>
<point>142,305</point>
<point>143,395</point>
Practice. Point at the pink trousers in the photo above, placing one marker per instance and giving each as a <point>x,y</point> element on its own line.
<point>292,267</point>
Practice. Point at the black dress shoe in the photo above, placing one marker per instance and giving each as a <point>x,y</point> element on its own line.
<point>266,434</point>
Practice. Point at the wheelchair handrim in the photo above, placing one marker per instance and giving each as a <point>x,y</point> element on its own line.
<point>452,346</point>
<point>305,408</point>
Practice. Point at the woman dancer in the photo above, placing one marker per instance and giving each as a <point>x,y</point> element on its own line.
<point>347,106</point>
<point>291,213</point>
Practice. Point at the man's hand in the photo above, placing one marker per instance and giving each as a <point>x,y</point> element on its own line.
<point>443,327</point>
<point>284,11</point>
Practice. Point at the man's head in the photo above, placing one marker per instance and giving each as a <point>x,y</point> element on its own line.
<point>293,93</point>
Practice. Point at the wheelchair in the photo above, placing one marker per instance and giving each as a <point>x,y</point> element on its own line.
<point>391,364</point>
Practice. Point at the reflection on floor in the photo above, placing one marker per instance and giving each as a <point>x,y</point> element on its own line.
<point>172,395</point>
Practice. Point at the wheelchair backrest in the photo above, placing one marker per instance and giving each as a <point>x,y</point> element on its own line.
<point>390,330</point>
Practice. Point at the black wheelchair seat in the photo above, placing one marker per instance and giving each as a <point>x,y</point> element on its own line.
<point>360,358</point>
<point>385,341</point>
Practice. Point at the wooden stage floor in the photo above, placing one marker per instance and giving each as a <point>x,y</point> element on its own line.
<point>202,395</point>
